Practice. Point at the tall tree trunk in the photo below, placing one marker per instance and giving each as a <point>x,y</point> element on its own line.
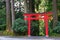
<point>55,17</point>
<point>8,17</point>
<point>12,11</point>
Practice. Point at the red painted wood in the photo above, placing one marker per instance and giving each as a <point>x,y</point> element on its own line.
<point>46,25</point>
<point>29,26</point>
<point>37,17</point>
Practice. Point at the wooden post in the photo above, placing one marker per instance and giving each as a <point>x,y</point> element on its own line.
<point>46,24</point>
<point>29,21</point>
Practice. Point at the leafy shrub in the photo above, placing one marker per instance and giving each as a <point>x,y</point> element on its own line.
<point>56,29</point>
<point>20,26</point>
<point>41,27</point>
<point>3,27</point>
<point>2,15</point>
<point>19,15</point>
<point>50,27</point>
<point>35,28</point>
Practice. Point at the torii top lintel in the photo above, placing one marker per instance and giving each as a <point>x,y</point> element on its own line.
<point>36,15</point>
<point>30,14</point>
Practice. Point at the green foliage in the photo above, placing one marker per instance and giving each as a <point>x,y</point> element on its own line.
<point>35,28</point>
<point>49,5</point>
<point>50,27</point>
<point>37,2</point>
<point>2,4</point>
<point>59,18</point>
<point>41,28</point>
<point>2,15</point>
<point>58,4</point>
<point>19,26</point>
<point>19,15</point>
<point>57,28</point>
<point>3,27</point>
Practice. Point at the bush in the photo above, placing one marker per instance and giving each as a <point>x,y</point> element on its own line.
<point>56,29</point>
<point>19,15</point>
<point>20,26</point>
<point>35,28</point>
<point>41,28</point>
<point>50,27</point>
<point>3,27</point>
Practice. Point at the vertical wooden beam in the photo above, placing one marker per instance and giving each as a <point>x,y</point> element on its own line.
<point>29,27</point>
<point>46,24</point>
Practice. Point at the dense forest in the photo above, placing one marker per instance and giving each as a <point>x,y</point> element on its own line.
<point>12,19</point>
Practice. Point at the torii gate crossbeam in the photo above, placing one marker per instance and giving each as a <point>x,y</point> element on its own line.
<point>37,16</point>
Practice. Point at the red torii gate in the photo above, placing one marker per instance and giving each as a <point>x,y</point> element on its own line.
<point>37,16</point>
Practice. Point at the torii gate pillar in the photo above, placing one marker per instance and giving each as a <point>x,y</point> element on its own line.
<point>37,17</point>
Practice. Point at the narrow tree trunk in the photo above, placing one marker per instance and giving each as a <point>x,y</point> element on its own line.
<point>8,17</point>
<point>12,11</point>
<point>25,6</point>
<point>55,19</point>
<point>31,6</point>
